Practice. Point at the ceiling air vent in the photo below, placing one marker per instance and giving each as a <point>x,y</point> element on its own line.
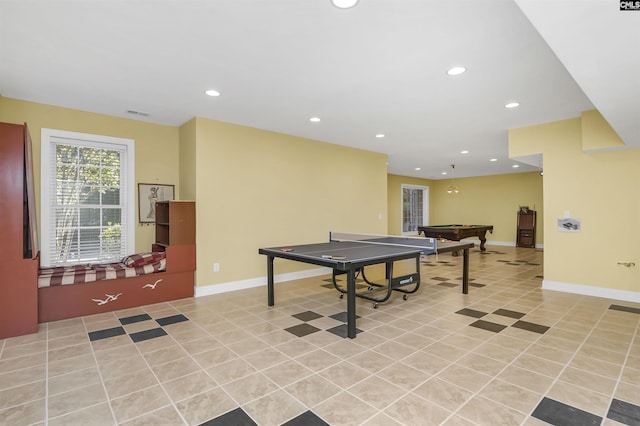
<point>134,112</point>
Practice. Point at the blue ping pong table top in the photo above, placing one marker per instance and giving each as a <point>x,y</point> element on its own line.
<point>364,250</point>
<point>350,251</point>
<point>342,254</point>
<point>427,245</point>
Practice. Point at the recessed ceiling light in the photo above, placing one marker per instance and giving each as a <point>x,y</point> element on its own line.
<point>344,4</point>
<point>380,135</point>
<point>418,169</point>
<point>314,119</point>
<point>212,92</point>
<point>464,152</point>
<point>515,166</point>
<point>456,70</point>
<point>512,105</point>
<point>494,159</point>
<point>444,173</point>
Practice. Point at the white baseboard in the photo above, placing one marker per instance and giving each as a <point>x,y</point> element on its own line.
<point>587,290</point>
<point>257,282</point>
<point>496,243</point>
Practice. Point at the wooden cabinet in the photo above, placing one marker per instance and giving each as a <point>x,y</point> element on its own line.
<point>175,224</point>
<point>526,231</point>
<point>19,248</point>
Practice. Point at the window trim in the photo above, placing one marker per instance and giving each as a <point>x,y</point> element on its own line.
<point>47,143</point>
<point>425,207</point>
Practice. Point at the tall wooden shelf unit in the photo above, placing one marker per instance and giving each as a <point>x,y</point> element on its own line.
<point>175,224</point>
<point>526,231</point>
<point>19,248</point>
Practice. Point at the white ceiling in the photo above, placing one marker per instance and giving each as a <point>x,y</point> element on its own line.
<point>379,67</point>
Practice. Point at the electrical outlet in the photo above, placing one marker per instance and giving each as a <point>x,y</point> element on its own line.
<point>216,267</point>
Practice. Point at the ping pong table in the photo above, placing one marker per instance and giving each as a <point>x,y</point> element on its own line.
<point>350,253</point>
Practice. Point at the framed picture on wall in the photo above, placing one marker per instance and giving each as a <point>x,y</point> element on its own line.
<point>148,194</point>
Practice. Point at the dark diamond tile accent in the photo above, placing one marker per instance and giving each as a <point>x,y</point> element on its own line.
<point>529,326</point>
<point>147,334</point>
<point>307,316</point>
<point>341,316</point>
<point>134,319</point>
<point>330,285</point>
<point>105,334</point>
<point>557,413</point>
<point>625,309</point>
<point>471,313</point>
<point>490,326</point>
<point>448,284</point>
<point>302,330</point>
<point>307,418</point>
<point>341,330</point>
<point>513,263</point>
<point>173,319</point>
<point>508,313</point>
<point>476,284</point>
<point>440,279</point>
<point>623,412</point>
<point>235,417</point>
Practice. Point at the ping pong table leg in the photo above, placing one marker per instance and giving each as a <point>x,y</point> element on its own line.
<point>351,303</point>
<point>465,272</point>
<point>270,296</point>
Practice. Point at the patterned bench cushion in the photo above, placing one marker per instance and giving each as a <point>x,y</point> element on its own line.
<point>148,263</point>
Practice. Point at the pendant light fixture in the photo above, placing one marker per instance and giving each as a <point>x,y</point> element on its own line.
<point>452,188</point>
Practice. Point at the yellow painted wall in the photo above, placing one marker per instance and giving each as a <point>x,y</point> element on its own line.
<point>188,153</point>
<point>256,188</point>
<point>600,189</point>
<point>156,145</point>
<point>486,200</point>
<point>597,134</point>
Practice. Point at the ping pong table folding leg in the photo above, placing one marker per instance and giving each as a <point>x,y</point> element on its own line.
<point>351,304</point>
<point>270,291</point>
<point>465,271</point>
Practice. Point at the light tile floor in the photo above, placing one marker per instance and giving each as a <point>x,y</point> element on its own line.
<point>508,353</point>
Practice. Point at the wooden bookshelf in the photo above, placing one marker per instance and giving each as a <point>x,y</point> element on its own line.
<point>526,231</point>
<point>175,224</point>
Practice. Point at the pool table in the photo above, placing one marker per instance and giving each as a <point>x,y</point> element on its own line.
<point>457,232</point>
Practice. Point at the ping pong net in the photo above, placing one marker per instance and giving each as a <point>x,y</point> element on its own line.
<point>428,245</point>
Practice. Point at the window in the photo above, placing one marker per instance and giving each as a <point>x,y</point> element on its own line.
<point>415,208</point>
<point>87,198</point>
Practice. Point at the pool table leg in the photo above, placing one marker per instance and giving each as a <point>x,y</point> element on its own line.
<point>483,239</point>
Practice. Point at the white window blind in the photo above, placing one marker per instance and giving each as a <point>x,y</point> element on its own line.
<point>87,198</point>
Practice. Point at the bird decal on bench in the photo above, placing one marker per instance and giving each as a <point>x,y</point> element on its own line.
<point>152,286</point>
<point>110,298</point>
